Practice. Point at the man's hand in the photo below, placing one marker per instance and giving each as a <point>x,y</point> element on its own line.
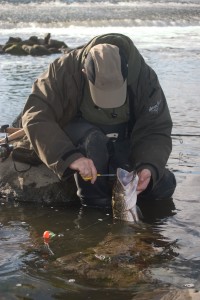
<point>85,167</point>
<point>144,179</point>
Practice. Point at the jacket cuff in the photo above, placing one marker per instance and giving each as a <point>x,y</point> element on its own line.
<point>152,169</point>
<point>63,170</point>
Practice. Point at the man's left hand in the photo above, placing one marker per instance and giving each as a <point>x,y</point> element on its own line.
<point>144,179</point>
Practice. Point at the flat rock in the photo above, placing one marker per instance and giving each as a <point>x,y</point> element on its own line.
<point>22,182</point>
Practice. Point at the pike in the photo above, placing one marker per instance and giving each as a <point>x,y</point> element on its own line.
<point>124,196</point>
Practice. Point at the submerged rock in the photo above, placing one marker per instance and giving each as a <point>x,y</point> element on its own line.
<point>121,260</point>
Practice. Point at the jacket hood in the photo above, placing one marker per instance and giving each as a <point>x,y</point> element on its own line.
<point>132,54</point>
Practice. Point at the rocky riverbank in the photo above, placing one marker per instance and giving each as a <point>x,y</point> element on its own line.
<point>37,184</point>
<point>34,46</point>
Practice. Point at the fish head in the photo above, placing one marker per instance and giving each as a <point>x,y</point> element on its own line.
<point>125,177</point>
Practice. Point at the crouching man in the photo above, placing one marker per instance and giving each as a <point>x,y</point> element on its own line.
<point>98,108</point>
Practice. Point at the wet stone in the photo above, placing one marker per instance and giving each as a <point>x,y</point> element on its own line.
<point>36,184</point>
<point>33,46</point>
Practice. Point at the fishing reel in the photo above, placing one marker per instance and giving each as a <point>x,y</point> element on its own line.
<point>5,150</point>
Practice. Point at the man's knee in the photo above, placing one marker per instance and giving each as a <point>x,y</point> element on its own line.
<point>78,129</point>
<point>95,148</point>
<point>166,186</point>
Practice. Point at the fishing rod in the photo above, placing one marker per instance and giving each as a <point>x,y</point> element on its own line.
<point>15,133</point>
<point>12,133</point>
<point>185,135</point>
<point>186,172</point>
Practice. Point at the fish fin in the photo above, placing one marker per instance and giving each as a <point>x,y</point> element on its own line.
<point>140,215</point>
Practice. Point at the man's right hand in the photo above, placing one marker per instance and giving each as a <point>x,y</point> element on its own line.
<point>85,167</point>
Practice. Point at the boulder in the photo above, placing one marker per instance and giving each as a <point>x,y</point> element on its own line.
<point>36,50</point>
<point>34,40</point>
<point>1,49</point>
<point>55,50</point>
<point>56,44</point>
<point>15,49</point>
<point>33,46</point>
<point>47,38</point>
<point>13,40</point>
<point>25,183</point>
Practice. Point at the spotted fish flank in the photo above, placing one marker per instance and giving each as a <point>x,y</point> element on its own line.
<point>124,196</point>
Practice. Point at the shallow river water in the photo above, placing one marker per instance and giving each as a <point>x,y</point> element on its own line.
<point>163,251</point>
<point>173,228</point>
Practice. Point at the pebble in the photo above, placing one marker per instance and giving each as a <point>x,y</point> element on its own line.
<point>189,285</point>
<point>18,284</point>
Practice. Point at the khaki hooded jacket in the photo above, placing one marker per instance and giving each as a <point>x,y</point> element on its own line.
<point>56,97</point>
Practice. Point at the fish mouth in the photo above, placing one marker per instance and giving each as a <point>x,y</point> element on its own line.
<point>125,177</point>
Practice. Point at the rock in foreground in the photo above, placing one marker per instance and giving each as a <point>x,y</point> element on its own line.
<point>22,182</point>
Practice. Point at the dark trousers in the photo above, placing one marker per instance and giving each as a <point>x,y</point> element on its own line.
<point>108,155</point>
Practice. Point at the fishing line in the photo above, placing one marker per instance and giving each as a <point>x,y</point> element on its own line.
<point>88,226</point>
<point>185,135</point>
<point>46,245</point>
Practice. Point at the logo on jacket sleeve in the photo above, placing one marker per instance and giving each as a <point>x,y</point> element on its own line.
<point>155,108</point>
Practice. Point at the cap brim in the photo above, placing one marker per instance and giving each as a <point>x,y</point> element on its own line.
<point>108,99</point>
